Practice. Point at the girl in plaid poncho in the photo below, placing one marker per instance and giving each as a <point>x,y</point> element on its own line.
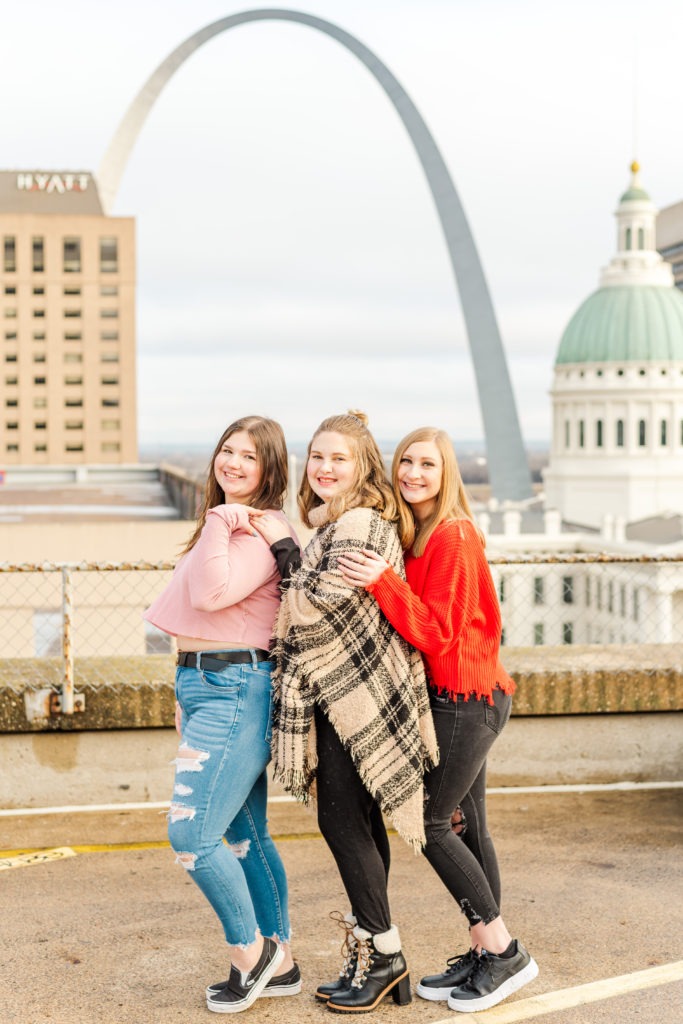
<point>352,723</point>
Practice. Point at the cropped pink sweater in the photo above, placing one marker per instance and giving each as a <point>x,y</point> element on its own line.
<point>226,588</point>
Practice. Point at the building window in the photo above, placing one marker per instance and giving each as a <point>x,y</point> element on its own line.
<point>73,336</point>
<point>10,254</point>
<point>10,313</point>
<point>539,594</point>
<point>568,589</point>
<point>110,446</point>
<point>109,255</point>
<point>73,357</point>
<point>11,380</point>
<point>662,433</point>
<point>10,335</point>
<point>539,632</point>
<point>11,357</point>
<point>636,604</point>
<point>39,313</point>
<point>41,425</point>
<point>73,380</point>
<point>111,424</point>
<point>40,447</point>
<point>73,425</point>
<point>39,357</point>
<point>73,448</point>
<point>47,633</point>
<point>641,238</point>
<point>10,290</point>
<point>110,403</point>
<point>501,589</point>
<point>40,402</point>
<point>72,291</point>
<point>12,402</point>
<point>109,357</point>
<point>72,255</point>
<point>39,336</point>
<point>588,592</point>
<point>582,434</point>
<point>12,447</point>
<point>109,380</point>
<point>39,291</point>
<point>642,433</point>
<point>567,632</point>
<point>38,254</point>
<point>598,595</point>
<point>109,314</point>
<point>622,600</point>
<point>610,596</point>
<point>72,313</point>
<point>11,426</point>
<point>502,637</point>
<point>620,433</point>
<point>109,290</point>
<point>628,238</point>
<point>109,335</point>
<point>598,433</point>
<point>74,403</point>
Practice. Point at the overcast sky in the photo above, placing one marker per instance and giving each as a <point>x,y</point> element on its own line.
<point>290,260</point>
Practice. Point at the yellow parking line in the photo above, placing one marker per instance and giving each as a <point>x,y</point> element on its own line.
<point>566,998</point>
<point>40,855</point>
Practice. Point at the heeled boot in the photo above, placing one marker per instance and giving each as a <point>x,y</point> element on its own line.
<point>349,950</point>
<point>380,969</point>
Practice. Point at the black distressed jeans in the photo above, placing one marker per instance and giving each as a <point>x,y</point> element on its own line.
<point>352,826</point>
<point>467,865</point>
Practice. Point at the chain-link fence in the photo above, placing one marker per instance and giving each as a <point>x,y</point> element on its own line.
<point>55,614</point>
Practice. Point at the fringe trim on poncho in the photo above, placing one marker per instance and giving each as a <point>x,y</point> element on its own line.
<point>334,647</point>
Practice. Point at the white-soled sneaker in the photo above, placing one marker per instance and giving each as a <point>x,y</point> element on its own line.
<point>244,987</point>
<point>287,984</point>
<point>492,979</point>
<point>438,987</point>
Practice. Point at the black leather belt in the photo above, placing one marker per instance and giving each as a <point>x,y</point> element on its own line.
<point>218,659</point>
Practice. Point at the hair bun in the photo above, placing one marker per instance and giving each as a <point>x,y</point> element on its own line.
<point>357,414</point>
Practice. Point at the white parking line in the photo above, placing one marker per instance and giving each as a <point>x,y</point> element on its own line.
<point>589,787</point>
<point>566,998</point>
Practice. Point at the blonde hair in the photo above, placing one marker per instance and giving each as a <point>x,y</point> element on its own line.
<point>370,488</point>
<point>451,501</point>
<point>271,450</point>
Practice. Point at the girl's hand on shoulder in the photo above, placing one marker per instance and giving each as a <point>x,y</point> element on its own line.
<point>362,568</point>
<point>272,528</point>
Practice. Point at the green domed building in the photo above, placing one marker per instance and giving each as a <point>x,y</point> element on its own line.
<point>617,436</point>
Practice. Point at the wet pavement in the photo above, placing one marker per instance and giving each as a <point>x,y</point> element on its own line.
<point>116,933</point>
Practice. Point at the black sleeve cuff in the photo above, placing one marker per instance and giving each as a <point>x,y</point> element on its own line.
<point>287,556</point>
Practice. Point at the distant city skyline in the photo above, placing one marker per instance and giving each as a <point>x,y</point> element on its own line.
<point>276,272</point>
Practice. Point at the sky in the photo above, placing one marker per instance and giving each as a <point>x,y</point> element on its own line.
<point>290,259</point>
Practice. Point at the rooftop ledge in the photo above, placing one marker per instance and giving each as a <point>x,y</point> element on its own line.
<point>138,692</point>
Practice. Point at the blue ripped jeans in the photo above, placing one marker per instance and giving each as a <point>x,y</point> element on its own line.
<point>220,790</point>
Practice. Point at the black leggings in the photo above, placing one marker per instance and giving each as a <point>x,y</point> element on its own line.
<point>467,864</point>
<point>351,823</point>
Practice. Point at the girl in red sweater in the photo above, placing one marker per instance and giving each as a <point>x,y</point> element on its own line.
<point>448,609</point>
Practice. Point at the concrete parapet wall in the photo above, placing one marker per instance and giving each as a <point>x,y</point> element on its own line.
<point>550,682</point>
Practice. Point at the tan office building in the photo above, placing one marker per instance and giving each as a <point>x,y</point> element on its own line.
<point>67,289</point>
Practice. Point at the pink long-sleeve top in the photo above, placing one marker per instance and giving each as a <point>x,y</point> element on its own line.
<point>225,588</point>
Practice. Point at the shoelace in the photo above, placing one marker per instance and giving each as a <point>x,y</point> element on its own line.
<point>365,950</point>
<point>349,946</point>
<point>455,962</point>
<point>481,962</point>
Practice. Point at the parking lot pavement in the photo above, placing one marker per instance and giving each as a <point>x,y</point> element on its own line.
<point>116,933</point>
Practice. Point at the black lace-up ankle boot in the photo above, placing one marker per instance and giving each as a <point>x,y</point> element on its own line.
<point>349,951</point>
<point>380,969</point>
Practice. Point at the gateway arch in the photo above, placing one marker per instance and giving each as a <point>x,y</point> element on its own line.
<point>508,469</point>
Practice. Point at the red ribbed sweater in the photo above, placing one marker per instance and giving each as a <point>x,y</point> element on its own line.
<point>449,610</point>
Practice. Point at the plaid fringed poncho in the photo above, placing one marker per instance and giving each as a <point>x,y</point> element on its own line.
<point>334,647</point>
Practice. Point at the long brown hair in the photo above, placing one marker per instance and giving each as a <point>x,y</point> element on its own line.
<point>271,451</point>
<point>370,488</point>
<point>451,501</point>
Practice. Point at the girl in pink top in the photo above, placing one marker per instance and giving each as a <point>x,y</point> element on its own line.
<point>221,606</point>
